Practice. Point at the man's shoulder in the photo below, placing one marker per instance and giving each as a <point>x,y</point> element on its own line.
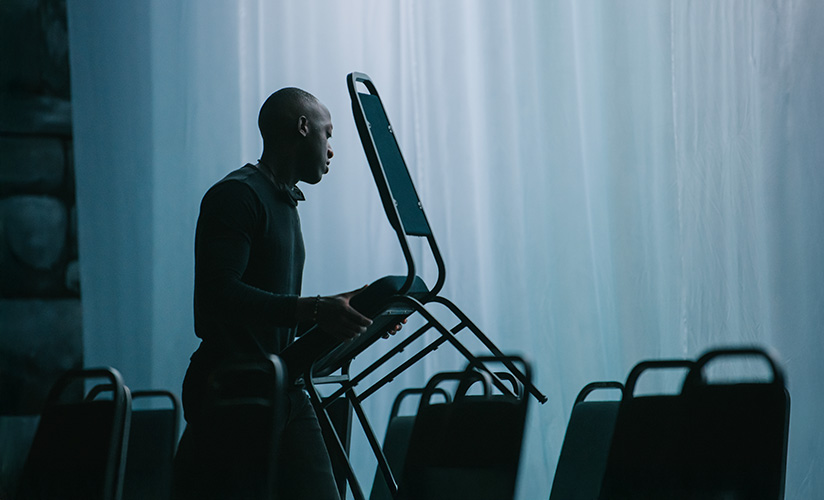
<point>235,185</point>
<point>249,183</point>
<point>246,174</point>
<point>244,179</point>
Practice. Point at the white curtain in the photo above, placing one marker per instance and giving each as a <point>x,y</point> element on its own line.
<point>608,181</point>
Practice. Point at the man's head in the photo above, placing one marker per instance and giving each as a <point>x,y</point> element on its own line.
<point>296,129</point>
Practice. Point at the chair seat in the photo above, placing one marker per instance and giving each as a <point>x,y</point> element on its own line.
<point>376,302</point>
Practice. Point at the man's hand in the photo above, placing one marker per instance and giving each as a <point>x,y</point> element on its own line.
<point>334,315</point>
<point>395,329</point>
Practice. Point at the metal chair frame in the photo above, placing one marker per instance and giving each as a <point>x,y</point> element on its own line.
<point>406,215</point>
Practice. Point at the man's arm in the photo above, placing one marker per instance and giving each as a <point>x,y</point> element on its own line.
<point>227,220</point>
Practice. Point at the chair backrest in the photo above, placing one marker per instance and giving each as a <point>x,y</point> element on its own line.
<point>396,441</point>
<point>584,452</point>
<point>713,440</point>
<point>738,431</point>
<point>241,417</point>
<point>468,448</point>
<point>246,399</point>
<point>79,448</point>
<point>152,442</point>
<point>401,202</point>
<point>400,199</point>
<point>648,440</point>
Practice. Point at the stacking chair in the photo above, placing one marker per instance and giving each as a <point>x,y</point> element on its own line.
<point>152,442</point>
<point>153,434</point>
<point>646,453</point>
<point>396,441</point>
<point>586,445</point>
<point>78,451</point>
<point>737,431</point>
<point>316,356</point>
<point>244,410</point>
<point>242,413</point>
<point>468,447</point>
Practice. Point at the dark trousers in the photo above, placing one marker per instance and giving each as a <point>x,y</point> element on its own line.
<point>228,455</point>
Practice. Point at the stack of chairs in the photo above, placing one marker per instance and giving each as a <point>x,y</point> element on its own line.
<point>91,444</point>
<point>713,440</point>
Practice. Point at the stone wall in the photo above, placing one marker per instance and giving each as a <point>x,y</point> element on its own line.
<point>40,334</point>
<point>40,315</point>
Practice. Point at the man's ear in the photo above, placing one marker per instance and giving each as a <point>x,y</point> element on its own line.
<point>303,125</point>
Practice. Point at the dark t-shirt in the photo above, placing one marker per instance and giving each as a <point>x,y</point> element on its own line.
<point>249,259</point>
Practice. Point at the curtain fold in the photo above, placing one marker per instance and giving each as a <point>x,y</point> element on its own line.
<point>608,181</point>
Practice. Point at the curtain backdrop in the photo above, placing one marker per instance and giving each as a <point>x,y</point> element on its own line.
<point>608,181</point>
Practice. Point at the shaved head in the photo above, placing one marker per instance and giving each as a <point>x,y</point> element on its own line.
<point>296,128</point>
<point>278,118</point>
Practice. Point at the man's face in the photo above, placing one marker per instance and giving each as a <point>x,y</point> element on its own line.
<point>317,152</point>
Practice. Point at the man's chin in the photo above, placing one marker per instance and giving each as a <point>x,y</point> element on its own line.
<point>318,176</point>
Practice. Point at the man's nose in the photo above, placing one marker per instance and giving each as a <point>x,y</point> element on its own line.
<point>329,152</point>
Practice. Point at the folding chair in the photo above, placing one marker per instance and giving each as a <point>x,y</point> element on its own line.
<point>396,441</point>
<point>469,447</point>
<point>79,448</point>
<point>648,442</point>
<point>315,356</point>
<point>586,445</point>
<point>737,431</point>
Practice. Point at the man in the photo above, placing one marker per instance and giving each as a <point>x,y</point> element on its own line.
<point>249,258</point>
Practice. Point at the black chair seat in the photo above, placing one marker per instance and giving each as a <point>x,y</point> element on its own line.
<point>376,302</point>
